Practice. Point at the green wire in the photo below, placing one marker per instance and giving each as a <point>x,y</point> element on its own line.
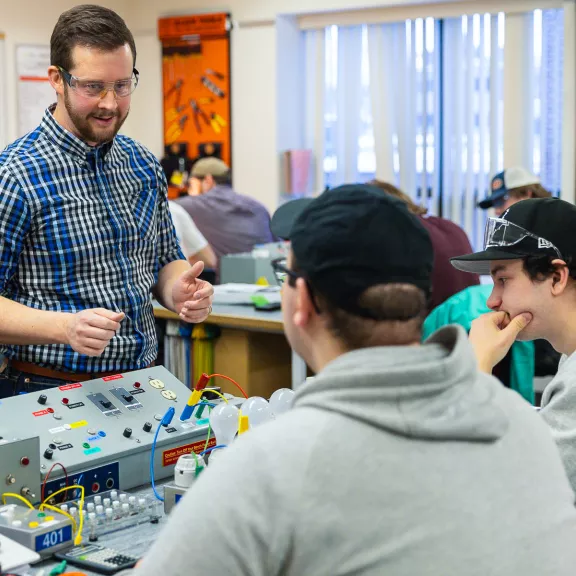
<point>205,445</point>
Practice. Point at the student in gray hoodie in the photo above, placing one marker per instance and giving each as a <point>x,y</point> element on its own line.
<point>397,459</point>
<point>531,253</point>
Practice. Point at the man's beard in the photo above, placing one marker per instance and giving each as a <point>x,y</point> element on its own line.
<point>86,131</point>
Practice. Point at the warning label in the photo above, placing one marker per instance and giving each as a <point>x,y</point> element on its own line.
<point>170,457</point>
<point>115,377</point>
<point>70,386</point>
<point>40,413</point>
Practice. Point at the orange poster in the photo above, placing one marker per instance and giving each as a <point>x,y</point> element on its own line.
<point>196,88</point>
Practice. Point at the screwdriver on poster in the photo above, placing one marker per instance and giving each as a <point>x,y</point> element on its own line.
<point>212,87</point>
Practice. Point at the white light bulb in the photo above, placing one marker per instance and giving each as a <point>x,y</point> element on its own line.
<point>281,401</point>
<point>258,411</point>
<point>224,422</point>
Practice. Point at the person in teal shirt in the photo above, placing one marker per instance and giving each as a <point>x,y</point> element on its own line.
<point>466,306</point>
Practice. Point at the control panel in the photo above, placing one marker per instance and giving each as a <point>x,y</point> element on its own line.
<point>19,468</point>
<point>101,431</point>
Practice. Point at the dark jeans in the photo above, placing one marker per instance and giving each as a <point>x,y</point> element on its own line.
<point>14,382</point>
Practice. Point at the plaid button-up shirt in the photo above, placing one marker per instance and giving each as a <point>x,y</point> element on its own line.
<point>84,227</point>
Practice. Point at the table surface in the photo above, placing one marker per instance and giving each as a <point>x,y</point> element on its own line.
<point>235,316</point>
<point>135,540</point>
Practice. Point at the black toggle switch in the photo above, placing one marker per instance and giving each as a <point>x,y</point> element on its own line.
<point>42,399</point>
<point>128,397</point>
<point>106,403</point>
<point>147,427</point>
<point>127,432</point>
<point>48,453</point>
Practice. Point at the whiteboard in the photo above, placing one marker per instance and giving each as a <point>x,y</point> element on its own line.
<point>34,91</point>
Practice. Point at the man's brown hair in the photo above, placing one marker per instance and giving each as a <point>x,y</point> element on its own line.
<point>397,193</point>
<point>529,191</point>
<point>90,26</point>
<point>401,309</point>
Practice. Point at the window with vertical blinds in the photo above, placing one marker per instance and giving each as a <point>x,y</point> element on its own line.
<point>420,103</point>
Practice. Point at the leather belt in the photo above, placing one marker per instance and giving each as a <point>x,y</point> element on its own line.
<point>67,376</point>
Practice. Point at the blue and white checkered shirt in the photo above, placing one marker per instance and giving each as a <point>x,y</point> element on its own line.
<point>84,227</point>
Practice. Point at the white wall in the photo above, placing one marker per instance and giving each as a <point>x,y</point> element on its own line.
<point>32,22</point>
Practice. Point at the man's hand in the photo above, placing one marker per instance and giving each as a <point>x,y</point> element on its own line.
<point>90,331</point>
<point>493,334</point>
<point>192,297</point>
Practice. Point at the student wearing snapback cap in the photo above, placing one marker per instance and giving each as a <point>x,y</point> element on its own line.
<point>397,458</point>
<point>508,187</point>
<point>511,186</point>
<point>531,254</point>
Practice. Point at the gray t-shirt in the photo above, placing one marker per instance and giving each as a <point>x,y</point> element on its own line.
<point>230,222</point>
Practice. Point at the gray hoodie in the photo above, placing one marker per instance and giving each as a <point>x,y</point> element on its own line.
<point>398,461</point>
<point>559,411</point>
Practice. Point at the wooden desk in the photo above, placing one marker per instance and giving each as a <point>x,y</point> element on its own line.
<point>252,349</point>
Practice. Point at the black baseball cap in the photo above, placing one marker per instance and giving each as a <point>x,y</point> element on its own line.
<point>354,237</point>
<point>550,223</point>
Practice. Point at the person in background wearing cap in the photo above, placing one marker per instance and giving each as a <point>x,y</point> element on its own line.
<point>397,458</point>
<point>230,222</point>
<point>511,186</point>
<point>531,254</point>
<point>448,240</point>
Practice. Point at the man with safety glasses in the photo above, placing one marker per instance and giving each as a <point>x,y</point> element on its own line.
<point>85,230</point>
<point>531,254</point>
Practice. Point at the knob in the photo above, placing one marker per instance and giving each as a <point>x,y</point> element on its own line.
<point>106,403</point>
<point>147,427</point>
<point>42,399</point>
<point>128,397</point>
<point>127,432</point>
<point>48,453</point>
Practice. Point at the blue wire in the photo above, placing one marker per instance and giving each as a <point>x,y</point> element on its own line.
<point>166,419</point>
<point>79,482</point>
<point>152,463</point>
<point>213,448</point>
